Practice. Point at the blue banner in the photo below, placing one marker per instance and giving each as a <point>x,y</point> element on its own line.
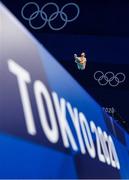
<point>50,127</point>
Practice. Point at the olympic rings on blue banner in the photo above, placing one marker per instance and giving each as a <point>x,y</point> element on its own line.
<point>109,78</point>
<point>52,17</point>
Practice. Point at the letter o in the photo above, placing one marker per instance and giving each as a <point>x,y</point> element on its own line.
<point>39,91</point>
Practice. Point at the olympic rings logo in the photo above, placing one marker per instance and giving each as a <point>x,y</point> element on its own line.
<point>109,78</point>
<point>43,15</point>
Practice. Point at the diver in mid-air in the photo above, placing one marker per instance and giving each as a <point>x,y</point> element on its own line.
<point>81,61</point>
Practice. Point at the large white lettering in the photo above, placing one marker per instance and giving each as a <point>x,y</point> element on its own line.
<point>23,77</point>
<point>41,90</point>
<point>67,135</point>
<point>51,103</point>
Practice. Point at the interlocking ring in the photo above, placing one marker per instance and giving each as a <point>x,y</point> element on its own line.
<point>52,17</point>
<point>109,78</point>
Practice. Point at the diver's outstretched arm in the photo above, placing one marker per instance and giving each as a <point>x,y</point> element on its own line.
<point>76,58</point>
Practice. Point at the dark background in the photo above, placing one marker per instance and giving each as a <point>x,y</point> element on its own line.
<point>102,31</point>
